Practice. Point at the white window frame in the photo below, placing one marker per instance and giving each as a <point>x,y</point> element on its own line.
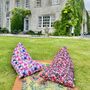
<point>26,28</point>
<point>46,23</point>
<point>55,2</point>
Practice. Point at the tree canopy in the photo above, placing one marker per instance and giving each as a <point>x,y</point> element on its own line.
<point>71,16</point>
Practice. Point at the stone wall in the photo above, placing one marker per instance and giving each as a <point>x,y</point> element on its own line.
<point>45,9</point>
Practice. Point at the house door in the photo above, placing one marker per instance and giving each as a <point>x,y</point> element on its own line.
<point>26,24</point>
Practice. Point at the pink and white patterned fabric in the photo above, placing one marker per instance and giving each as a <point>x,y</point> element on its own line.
<point>61,70</point>
<point>23,63</point>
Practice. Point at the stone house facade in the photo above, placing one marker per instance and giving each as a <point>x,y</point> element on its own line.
<point>43,14</point>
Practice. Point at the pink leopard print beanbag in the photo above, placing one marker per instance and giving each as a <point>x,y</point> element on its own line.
<point>23,63</point>
<point>60,70</point>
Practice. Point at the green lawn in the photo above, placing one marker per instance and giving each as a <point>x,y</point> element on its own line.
<point>45,49</point>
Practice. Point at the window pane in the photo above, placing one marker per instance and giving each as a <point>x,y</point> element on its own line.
<point>38,3</point>
<point>52,20</point>
<point>7,23</point>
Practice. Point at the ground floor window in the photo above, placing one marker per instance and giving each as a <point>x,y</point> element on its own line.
<point>7,22</point>
<point>46,21</point>
<point>27,3</point>
<point>26,23</point>
<point>0,16</point>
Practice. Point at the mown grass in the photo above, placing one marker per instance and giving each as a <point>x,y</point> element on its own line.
<point>45,49</point>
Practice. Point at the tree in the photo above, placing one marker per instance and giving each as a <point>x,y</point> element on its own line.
<point>71,17</point>
<point>17,19</point>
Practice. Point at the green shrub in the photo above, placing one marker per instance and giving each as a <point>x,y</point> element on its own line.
<point>4,30</point>
<point>77,30</point>
<point>15,31</point>
<point>33,33</point>
<point>39,33</point>
<point>64,30</point>
<point>17,19</point>
<point>30,32</point>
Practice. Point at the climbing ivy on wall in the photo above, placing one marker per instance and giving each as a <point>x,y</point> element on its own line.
<point>17,19</point>
<point>71,16</point>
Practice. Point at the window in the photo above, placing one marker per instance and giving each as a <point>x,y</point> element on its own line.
<point>40,21</point>
<point>52,20</point>
<point>0,16</point>
<point>46,21</point>
<point>7,22</point>
<point>55,2</point>
<point>38,3</point>
<point>26,24</point>
<point>0,22</point>
<point>7,6</point>
<point>17,3</point>
<point>27,3</point>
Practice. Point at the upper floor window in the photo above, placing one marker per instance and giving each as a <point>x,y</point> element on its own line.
<point>55,2</point>
<point>17,3</point>
<point>38,3</point>
<point>27,3</point>
<point>7,6</point>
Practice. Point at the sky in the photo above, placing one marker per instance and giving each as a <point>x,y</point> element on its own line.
<point>87,4</point>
